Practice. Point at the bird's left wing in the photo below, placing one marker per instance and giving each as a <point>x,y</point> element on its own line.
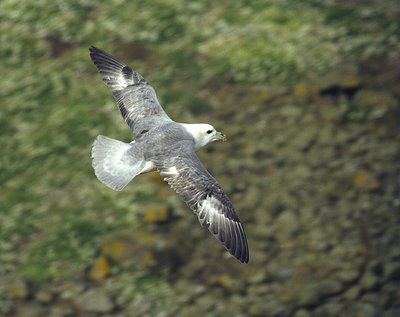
<point>184,172</point>
<point>137,100</point>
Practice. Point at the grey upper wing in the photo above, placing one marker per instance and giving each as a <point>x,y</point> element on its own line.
<point>137,100</point>
<point>185,173</point>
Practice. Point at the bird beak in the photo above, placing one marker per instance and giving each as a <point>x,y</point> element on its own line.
<point>221,136</point>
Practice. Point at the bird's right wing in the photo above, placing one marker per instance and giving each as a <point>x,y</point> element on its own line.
<point>137,100</point>
<point>184,172</point>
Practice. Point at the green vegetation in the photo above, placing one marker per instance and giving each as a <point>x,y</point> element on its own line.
<point>53,210</point>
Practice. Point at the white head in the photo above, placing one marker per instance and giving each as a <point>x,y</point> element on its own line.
<point>203,133</point>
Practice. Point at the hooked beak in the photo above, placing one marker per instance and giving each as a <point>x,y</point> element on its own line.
<point>220,137</point>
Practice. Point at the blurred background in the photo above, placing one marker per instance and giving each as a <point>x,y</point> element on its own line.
<point>308,94</point>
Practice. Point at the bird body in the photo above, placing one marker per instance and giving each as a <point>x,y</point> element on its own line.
<point>161,144</point>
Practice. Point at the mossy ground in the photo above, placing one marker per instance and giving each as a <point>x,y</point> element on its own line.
<point>308,95</point>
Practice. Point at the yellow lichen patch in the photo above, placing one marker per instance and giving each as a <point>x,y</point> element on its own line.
<point>99,270</point>
<point>223,280</point>
<point>363,179</point>
<point>148,258</point>
<point>349,80</point>
<point>144,238</point>
<point>155,213</point>
<point>263,96</point>
<point>304,90</point>
<point>300,89</point>
<point>18,289</point>
<point>125,248</point>
<point>115,249</point>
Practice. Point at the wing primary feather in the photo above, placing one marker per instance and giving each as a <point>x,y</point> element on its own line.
<point>244,252</point>
<point>230,237</point>
<point>136,99</point>
<point>239,250</point>
<point>200,191</point>
<point>236,239</point>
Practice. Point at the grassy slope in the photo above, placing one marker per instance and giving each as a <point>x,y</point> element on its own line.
<point>53,102</point>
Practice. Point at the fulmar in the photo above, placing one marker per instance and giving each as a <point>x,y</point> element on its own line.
<point>161,144</point>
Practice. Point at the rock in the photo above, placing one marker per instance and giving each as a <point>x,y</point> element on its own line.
<point>375,98</point>
<point>63,309</point>
<point>44,296</point>
<point>330,112</point>
<point>139,307</point>
<point>376,103</point>
<point>69,290</point>
<point>257,277</point>
<point>329,309</point>
<point>284,273</point>
<point>345,77</point>
<point>95,301</point>
<point>285,225</point>
<point>369,280</point>
<point>369,310</point>
<point>29,310</point>
<point>302,313</point>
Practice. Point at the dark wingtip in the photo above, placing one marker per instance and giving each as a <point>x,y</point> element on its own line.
<point>245,257</point>
<point>93,49</point>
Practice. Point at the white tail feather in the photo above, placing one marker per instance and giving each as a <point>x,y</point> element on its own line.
<point>116,163</point>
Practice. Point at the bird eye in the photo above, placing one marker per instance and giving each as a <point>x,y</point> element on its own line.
<point>209,131</point>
